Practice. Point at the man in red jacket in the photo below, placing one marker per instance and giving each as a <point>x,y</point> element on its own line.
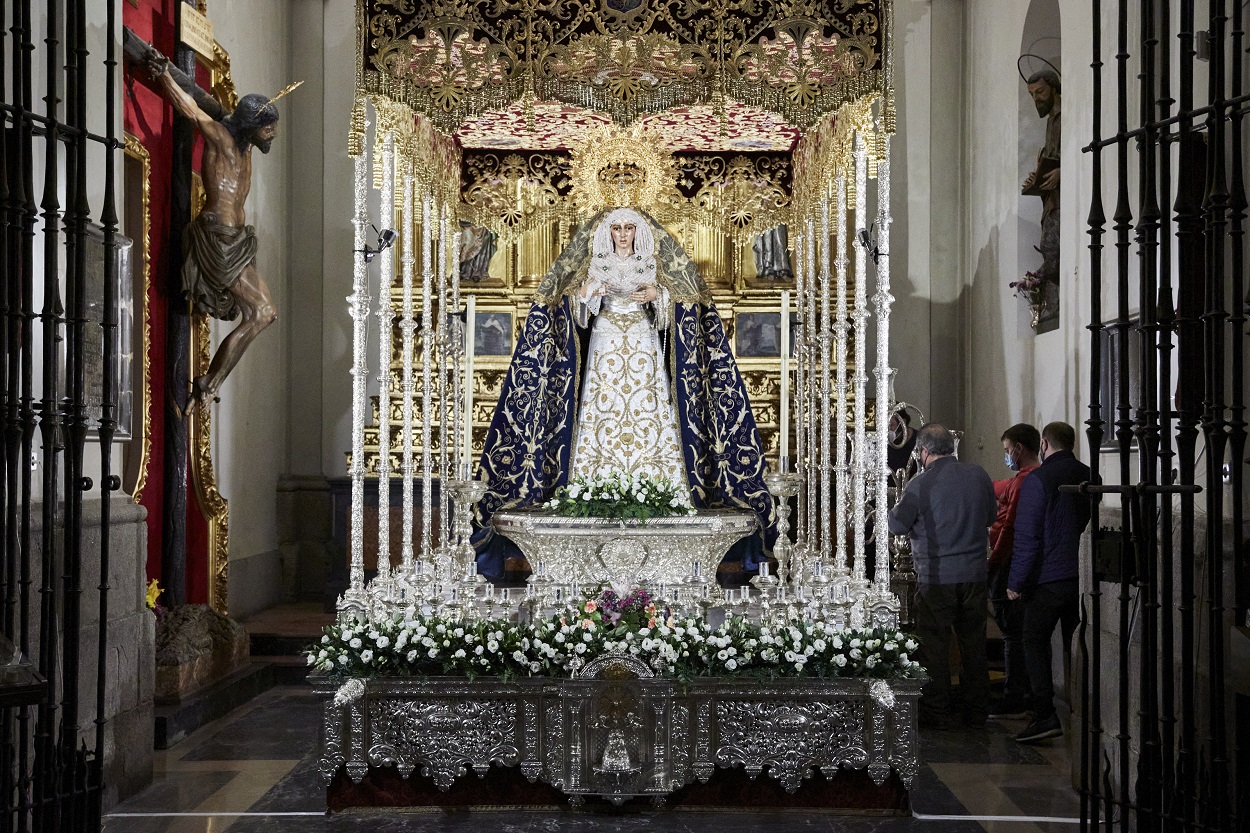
<point>1020,446</point>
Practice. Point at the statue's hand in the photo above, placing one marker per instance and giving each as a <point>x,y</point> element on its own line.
<point>1051,181</point>
<point>645,294</point>
<point>1029,180</point>
<point>156,64</point>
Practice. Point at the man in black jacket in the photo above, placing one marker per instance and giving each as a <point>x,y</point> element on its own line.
<point>947,510</point>
<point>1045,566</point>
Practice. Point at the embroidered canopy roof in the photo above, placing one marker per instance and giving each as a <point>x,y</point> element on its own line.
<point>452,60</point>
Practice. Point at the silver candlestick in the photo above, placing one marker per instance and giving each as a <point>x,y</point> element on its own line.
<point>465,493</point>
<point>783,485</point>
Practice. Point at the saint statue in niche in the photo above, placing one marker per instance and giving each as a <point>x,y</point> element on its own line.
<point>477,247</point>
<point>623,365</point>
<point>772,260</point>
<point>1045,90</point>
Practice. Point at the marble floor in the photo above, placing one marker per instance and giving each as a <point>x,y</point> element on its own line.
<point>254,771</point>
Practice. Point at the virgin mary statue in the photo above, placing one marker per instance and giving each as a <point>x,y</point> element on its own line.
<point>623,366</point>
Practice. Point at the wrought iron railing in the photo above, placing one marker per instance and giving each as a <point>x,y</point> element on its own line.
<point>1155,743</point>
<point>50,172</point>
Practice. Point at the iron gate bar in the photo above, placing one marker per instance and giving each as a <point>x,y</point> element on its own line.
<point>25,768</point>
<point>1236,233</point>
<point>66,131</point>
<point>8,379</point>
<point>1189,262</point>
<point>1215,209</point>
<point>1131,489</point>
<point>46,785</point>
<point>109,482</point>
<point>1139,132</point>
<point>1165,314</point>
<point>1123,220</point>
<point>1146,427</point>
<point>74,417</point>
<point>1091,638</point>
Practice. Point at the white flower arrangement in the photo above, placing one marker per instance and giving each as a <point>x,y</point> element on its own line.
<point>619,495</point>
<point>682,647</point>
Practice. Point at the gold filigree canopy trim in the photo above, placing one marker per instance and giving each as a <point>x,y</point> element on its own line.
<point>451,60</point>
<point>827,150</point>
<point>554,125</point>
<point>515,192</point>
<point>429,157</point>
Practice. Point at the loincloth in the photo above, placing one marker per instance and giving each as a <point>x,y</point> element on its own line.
<point>216,256</point>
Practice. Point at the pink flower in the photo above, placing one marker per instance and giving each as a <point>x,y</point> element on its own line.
<point>591,607</point>
<point>587,624</point>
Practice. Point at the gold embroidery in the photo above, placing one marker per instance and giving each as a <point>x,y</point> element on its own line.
<point>627,419</point>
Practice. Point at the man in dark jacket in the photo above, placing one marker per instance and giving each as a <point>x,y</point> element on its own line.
<point>947,511</point>
<point>1045,566</point>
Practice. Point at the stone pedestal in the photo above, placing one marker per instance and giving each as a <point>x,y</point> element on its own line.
<point>305,537</point>
<point>195,647</point>
<point>129,632</point>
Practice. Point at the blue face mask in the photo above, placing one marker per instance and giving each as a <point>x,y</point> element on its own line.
<point>1010,463</point>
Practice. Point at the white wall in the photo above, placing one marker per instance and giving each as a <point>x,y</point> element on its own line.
<point>339,53</point>
<point>1009,374</point>
<point>250,435</point>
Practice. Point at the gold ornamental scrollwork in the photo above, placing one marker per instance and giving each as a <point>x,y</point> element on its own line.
<point>432,158</point>
<point>827,150</point>
<point>214,507</point>
<point>143,395</point>
<point>741,194</point>
<point>453,59</point>
<point>513,193</point>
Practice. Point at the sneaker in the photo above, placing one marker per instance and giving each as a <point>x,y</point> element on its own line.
<point>1037,730</point>
<point>1008,709</point>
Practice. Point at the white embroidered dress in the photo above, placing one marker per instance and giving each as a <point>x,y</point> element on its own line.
<point>627,420</point>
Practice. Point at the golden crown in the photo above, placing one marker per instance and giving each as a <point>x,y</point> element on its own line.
<point>617,167</point>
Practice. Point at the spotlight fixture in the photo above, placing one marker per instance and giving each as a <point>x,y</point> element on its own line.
<point>386,239</point>
<point>869,243</point>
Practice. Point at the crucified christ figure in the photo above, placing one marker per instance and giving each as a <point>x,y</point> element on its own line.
<point>219,273</point>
